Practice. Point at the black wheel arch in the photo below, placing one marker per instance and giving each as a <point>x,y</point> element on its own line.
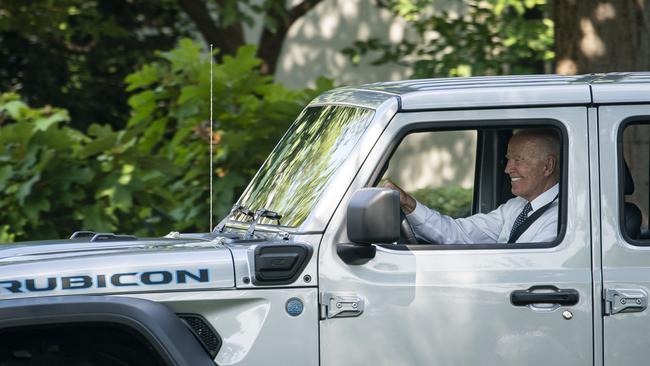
<point>162,329</point>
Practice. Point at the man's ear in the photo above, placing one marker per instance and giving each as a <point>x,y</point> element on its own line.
<point>550,165</point>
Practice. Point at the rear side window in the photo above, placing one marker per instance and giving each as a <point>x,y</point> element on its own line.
<point>634,178</point>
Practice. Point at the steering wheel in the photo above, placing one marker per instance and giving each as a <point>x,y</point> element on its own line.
<point>407,234</point>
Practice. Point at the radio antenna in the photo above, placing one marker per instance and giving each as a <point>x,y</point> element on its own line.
<point>211,139</point>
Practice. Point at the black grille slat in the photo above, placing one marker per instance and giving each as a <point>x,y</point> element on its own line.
<point>204,332</point>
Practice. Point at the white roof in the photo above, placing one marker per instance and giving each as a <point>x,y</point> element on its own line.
<point>501,91</point>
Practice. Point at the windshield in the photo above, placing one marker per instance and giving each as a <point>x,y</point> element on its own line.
<point>301,165</point>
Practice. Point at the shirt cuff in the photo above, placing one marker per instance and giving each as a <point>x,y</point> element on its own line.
<point>418,215</point>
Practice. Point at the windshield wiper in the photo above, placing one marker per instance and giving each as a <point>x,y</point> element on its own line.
<point>236,209</point>
<point>262,213</point>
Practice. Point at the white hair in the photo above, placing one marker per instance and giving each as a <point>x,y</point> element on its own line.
<point>547,140</point>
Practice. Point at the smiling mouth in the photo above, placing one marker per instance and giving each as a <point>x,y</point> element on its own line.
<point>514,179</point>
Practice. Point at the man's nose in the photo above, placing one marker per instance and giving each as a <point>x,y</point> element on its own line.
<point>508,167</point>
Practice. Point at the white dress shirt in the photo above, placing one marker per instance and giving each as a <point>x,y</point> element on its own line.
<point>493,227</point>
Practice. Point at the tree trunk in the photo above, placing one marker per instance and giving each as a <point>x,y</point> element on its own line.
<point>604,36</point>
<point>601,36</point>
<point>227,39</point>
<point>272,39</point>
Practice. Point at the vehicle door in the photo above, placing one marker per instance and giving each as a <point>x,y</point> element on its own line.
<point>426,304</point>
<point>624,135</point>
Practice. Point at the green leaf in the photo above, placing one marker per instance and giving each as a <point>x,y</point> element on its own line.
<point>244,61</point>
<point>6,236</point>
<point>17,133</point>
<point>35,206</point>
<point>26,188</point>
<point>126,175</point>
<point>95,219</point>
<point>191,93</point>
<point>122,199</point>
<point>187,53</point>
<point>143,104</point>
<point>5,174</point>
<point>100,130</point>
<point>153,135</point>
<point>43,124</point>
<point>144,77</point>
<point>98,145</point>
<point>14,108</point>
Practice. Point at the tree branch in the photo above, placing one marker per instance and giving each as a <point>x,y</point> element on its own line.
<point>271,41</point>
<point>226,39</point>
<point>301,9</point>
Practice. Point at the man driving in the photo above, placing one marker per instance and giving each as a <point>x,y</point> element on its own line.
<point>531,216</point>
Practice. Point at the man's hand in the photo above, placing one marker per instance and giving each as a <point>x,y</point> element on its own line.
<point>405,200</point>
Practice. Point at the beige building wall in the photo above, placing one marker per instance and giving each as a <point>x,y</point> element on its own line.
<point>314,43</point>
<point>434,160</point>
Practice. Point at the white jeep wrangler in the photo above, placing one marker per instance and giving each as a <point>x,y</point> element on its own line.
<point>313,267</point>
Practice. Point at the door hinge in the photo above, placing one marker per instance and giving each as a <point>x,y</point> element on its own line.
<point>624,301</point>
<point>340,305</point>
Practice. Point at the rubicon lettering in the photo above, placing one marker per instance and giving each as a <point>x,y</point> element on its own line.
<point>104,280</point>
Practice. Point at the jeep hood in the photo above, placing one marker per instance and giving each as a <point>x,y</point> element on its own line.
<point>71,267</point>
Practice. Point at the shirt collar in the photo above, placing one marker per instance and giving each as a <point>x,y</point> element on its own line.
<point>545,197</point>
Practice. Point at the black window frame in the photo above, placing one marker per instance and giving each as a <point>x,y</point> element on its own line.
<point>620,181</point>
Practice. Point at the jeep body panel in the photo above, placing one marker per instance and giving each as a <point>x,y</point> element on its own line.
<point>617,88</point>
<point>486,92</point>
<point>244,262</point>
<point>625,267</point>
<point>452,306</point>
<point>404,304</point>
<point>70,268</point>
<point>253,323</point>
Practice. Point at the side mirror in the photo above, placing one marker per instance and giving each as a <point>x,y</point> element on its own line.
<point>374,216</point>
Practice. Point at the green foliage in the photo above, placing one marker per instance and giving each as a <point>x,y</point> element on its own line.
<point>75,53</point>
<point>57,180</point>
<point>489,37</point>
<point>453,201</point>
<point>151,177</point>
<point>172,108</point>
<point>5,235</point>
<point>38,168</point>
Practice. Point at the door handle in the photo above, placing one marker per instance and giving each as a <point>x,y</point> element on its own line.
<point>544,294</point>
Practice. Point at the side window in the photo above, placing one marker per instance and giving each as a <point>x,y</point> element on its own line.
<point>634,182</point>
<point>484,186</point>
<point>437,168</point>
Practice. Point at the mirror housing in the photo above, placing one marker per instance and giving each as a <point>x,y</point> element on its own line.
<point>373,216</point>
